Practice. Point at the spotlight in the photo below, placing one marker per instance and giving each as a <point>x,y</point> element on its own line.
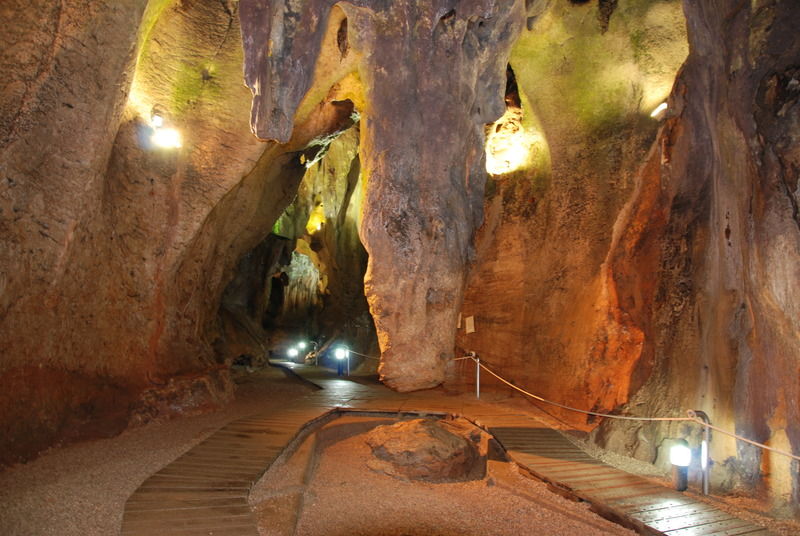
<point>166,137</point>
<point>680,457</point>
<point>157,121</point>
<point>302,345</point>
<point>659,110</point>
<point>341,353</point>
<point>292,352</point>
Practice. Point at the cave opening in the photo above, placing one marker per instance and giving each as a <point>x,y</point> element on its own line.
<point>304,281</point>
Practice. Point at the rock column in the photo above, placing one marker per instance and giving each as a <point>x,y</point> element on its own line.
<point>433,75</point>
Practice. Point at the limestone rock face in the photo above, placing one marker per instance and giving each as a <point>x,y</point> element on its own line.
<point>655,277</point>
<point>717,297</point>
<point>114,253</point>
<point>423,449</point>
<point>537,290</point>
<point>432,75</point>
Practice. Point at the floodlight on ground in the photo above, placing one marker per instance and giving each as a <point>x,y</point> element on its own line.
<point>292,352</point>
<point>680,456</point>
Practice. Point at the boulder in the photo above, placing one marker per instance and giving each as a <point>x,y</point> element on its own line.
<point>426,449</point>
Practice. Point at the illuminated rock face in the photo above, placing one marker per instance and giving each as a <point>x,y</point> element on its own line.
<point>115,254</point>
<point>433,74</point>
<point>544,314</point>
<point>647,276</point>
<point>715,218</point>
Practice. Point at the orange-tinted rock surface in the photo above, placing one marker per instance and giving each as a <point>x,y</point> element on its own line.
<point>651,281</point>
<point>626,262</point>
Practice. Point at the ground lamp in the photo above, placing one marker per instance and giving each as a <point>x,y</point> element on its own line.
<point>680,456</point>
<point>341,354</point>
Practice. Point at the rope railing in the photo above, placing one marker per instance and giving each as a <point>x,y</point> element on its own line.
<point>365,355</point>
<point>691,414</point>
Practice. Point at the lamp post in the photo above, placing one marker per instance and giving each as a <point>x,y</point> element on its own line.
<point>342,354</point>
<point>680,456</point>
<point>697,414</point>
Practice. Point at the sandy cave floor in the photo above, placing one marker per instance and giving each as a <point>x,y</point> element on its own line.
<point>328,481</point>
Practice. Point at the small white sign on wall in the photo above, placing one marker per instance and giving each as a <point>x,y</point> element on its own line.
<point>469,324</point>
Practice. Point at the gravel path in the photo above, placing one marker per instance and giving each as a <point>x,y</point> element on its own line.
<point>81,489</point>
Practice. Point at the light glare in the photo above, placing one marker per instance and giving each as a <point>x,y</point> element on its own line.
<point>704,455</point>
<point>659,110</point>
<point>292,352</point>
<point>340,353</point>
<point>167,137</point>
<point>680,455</point>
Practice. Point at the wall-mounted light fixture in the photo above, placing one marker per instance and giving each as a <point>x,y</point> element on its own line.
<point>659,111</point>
<point>168,138</point>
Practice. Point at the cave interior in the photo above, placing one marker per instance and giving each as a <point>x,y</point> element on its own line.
<point>598,198</point>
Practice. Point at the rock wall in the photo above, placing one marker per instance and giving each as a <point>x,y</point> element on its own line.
<point>115,253</point>
<point>537,291</point>
<point>650,279</point>
<point>723,310</point>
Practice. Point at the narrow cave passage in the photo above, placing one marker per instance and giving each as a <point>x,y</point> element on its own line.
<point>304,282</point>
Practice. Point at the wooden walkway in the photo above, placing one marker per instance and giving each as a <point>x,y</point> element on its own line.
<point>638,503</point>
<point>205,491</point>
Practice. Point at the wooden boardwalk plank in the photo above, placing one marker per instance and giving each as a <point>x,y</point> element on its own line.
<point>727,527</point>
<point>205,490</point>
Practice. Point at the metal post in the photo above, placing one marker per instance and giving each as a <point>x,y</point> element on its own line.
<point>348,362</point>
<point>680,477</point>
<point>477,377</point>
<point>704,447</point>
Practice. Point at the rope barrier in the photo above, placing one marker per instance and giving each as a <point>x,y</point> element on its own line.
<point>595,413</point>
<point>365,355</point>
<point>690,418</point>
<point>740,438</point>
